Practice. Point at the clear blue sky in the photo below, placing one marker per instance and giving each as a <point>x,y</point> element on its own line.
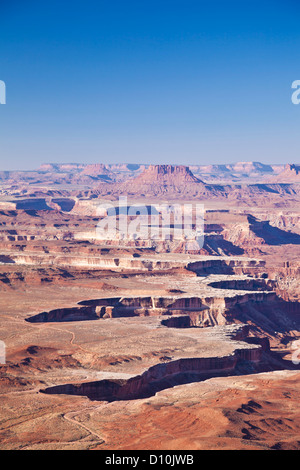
<point>181,81</point>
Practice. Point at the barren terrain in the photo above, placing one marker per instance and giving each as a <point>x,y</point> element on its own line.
<point>150,344</point>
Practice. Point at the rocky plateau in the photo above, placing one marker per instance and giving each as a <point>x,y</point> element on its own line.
<point>143,343</point>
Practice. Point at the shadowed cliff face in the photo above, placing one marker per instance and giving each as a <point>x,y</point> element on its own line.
<point>177,372</point>
<point>157,378</point>
<point>272,235</point>
<point>245,284</point>
<point>261,309</point>
<point>254,233</point>
<point>117,307</point>
<point>35,204</point>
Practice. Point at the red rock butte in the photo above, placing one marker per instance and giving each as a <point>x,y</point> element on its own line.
<point>167,174</point>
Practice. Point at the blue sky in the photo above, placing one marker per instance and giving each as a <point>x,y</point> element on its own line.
<point>181,81</point>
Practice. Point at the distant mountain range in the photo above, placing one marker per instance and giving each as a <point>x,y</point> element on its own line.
<point>135,176</point>
<point>80,173</point>
<point>245,183</point>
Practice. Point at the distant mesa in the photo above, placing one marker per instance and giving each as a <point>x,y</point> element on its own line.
<point>292,170</point>
<point>167,175</point>
<point>290,174</point>
<point>170,180</point>
<point>95,170</point>
<point>61,167</point>
<point>49,167</point>
<point>239,172</point>
<point>245,167</point>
